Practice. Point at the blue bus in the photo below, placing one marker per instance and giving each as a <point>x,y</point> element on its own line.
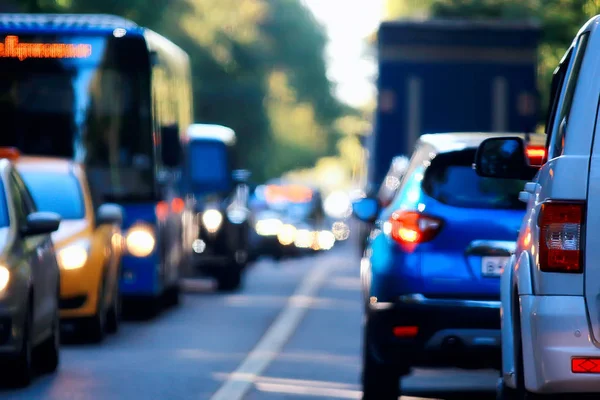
<point>117,98</point>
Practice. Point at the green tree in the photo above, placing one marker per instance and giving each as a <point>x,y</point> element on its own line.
<point>245,54</point>
<point>560,20</point>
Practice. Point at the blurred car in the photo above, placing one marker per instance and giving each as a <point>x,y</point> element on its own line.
<point>551,287</point>
<point>220,197</point>
<point>267,226</point>
<point>431,270</point>
<point>88,243</point>
<point>29,281</point>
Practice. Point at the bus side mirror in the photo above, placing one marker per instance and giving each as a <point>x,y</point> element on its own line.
<point>171,151</point>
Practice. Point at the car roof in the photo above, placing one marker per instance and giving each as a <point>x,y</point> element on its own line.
<point>216,132</point>
<point>49,164</point>
<point>66,23</point>
<point>454,141</point>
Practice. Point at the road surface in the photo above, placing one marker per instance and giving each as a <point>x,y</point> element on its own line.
<point>293,332</point>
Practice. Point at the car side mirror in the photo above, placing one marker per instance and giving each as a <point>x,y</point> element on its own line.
<point>41,223</point>
<point>504,158</point>
<point>241,175</point>
<point>109,214</point>
<point>366,209</point>
<point>171,149</point>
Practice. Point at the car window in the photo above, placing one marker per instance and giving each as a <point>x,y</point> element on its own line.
<point>4,219</point>
<point>563,109</point>
<point>59,193</point>
<point>451,179</point>
<point>22,205</point>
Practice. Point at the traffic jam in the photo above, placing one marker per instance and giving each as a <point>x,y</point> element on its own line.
<point>474,249</point>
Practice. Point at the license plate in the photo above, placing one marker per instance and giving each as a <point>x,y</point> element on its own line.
<point>493,266</point>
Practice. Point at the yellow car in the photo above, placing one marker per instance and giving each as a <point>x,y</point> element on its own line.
<point>88,243</point>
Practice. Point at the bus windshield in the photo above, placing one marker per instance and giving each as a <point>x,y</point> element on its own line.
<point>85,98</point>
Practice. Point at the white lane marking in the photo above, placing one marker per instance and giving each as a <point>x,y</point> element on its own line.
<point>242,379</point>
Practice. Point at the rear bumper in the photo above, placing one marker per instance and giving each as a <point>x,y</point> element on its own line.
<point>554,330</point>
<point>451,332</point>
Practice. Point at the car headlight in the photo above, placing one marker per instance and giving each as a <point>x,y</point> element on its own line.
<point>74,256</point>
<point>268,227</point>
<point>4,277</point>
<point>237,215</point>
<point>140,241</point>
<point>326,240</point>
<point>287,234</point>
<point>212,220</point>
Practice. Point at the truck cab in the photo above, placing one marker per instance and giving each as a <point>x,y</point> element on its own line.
<point>219,196</point>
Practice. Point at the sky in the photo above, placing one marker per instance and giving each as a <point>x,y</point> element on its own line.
<point>348,23</point>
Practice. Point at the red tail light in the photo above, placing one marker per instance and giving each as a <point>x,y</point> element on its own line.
<point>411,227</point>
<point>536,155</point>
<point>162,210</point>
<point>561,234</point>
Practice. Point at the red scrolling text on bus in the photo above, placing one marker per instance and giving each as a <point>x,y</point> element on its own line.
<point>11,48</point>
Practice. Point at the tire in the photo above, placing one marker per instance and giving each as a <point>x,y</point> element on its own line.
<point>520,392</point>
<point>21,372</point>
<point>49,350</point>
<point>113,318</point>
<point>96,327</point>
<point>172,296</point>
<point>229,280</point>
<point>379,381</point>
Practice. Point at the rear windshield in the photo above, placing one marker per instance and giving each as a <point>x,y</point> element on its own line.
<point>451,179</point>
<point>59,193</point>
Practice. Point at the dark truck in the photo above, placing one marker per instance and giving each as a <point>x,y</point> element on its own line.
<point>451,76</point>
<point>219,196</point>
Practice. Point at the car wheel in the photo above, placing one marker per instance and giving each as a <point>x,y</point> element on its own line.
<point>49,351</point>
<point>22,370</point>
<point>229,280</point>
<point>96,329</point>
<point>114,314</point>
<point>379,381</point>
<point>172,296</point>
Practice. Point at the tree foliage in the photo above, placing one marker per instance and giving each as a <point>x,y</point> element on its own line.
<point>560,21</point>
<point>258,66</point>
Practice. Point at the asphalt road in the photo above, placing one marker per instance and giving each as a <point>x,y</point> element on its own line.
<point>293,332</point>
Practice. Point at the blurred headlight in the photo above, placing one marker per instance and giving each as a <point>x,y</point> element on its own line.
<point>212,220</point>
<point>340,230</point>
<point>237,215</point>
<point>304,239</point>
<point>4,277</point>
<point>287,234</point>
<point>326,240</point>
<point>73,256</point>
<point>140,241</point>
<point>268,227</point>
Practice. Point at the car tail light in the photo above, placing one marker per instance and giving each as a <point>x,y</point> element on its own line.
<point>405,331</point>
<point>561,227</point>
<point>536,155</point>
<point>411,227</point>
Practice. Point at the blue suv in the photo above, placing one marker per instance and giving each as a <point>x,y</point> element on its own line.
<point>431,270</point>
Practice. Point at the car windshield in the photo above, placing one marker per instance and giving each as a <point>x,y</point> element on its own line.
<point>452,180</point>
<point>59,193</point>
